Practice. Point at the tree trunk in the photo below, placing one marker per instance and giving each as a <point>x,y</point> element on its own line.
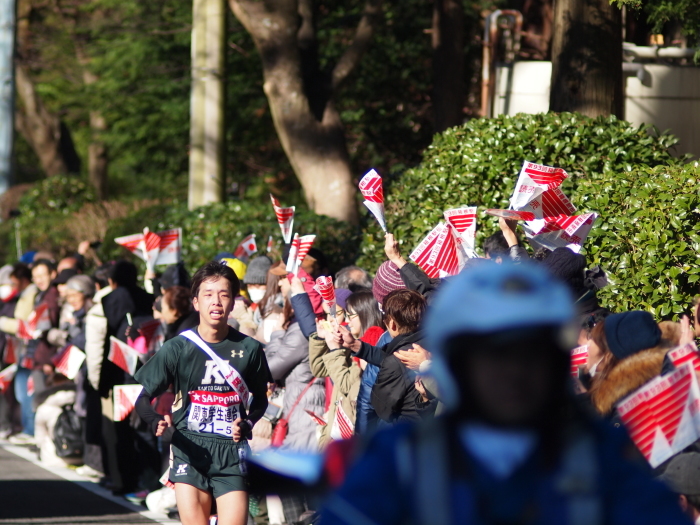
<point>44,131</point>
<point>448,63</point>
<point>301,97</point>
<point>97,150</point>
<point>587,58</point>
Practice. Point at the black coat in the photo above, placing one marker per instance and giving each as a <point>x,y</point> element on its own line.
<point>139,305</point>
<point>394,395</point>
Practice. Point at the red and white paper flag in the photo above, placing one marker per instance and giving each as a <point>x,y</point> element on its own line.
<point>371,188</point>
<point>69,361</point>
<point>437,253</point>
<point>324,287</point>
<point>11,345</point>
<point>6,376</point>
<point>122,355</point>
<point>152,331</point>
<point>125,397</point>
<point>663,417</point>
<point>565,231</point>
<point>169,247</point>
<point>688,353</point>
<point>343,427</point>
<point>305,244</point>
<point>579,358</point>
<point>463,223</point>
<point>246,248</point>
<point>270,244</point>
<point>534,180</point>
<point>150,246</point>
<point>37,323</point>
<point>285,218</point>
<point>316,418</point>
<point>293,252</point>
<point>512,215</point>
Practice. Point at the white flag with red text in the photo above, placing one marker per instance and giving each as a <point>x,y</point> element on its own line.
<point>36,324</point>
<point>6,376</point>
<point>343,427</point>
<point>325,288</point>
<point>305,243</point>
<point>663,416</point>
<point>463,223</point>
<point>373,192</point>
<point>579,358</point>
<point>437,253</point>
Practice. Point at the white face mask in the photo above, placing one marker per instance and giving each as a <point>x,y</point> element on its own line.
<point>256,294</point>
<point>5,291</point>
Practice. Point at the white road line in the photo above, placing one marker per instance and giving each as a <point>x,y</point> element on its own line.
<point>88,484</point>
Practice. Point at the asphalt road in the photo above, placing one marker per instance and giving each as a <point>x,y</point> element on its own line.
<point>30,494</point>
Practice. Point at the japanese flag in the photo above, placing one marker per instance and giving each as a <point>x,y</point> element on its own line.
<point>125,397</point>
<point>69,361</point>
<point>372,191</point>
<point>246,248</point>
<point>122,355</point>
<point>285,218</point>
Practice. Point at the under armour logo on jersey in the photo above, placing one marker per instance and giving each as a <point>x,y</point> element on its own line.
<point>234,352</point>
<point>181,469</point>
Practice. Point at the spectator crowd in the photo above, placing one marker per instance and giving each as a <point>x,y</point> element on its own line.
<point>478,364</point>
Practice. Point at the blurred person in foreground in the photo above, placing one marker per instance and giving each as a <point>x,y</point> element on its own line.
<point>515,447</point>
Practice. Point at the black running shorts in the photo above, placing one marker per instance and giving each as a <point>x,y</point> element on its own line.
<point>209,463</point>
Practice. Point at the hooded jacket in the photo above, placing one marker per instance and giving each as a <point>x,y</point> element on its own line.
<point>625,377</point>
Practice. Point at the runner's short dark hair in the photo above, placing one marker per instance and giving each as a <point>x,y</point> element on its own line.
<point>217,270</point>
<point>406,308</point>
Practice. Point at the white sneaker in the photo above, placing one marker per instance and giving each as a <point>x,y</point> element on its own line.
<point>22,439</point>
<point>88,472</point>
<point>4,434</point>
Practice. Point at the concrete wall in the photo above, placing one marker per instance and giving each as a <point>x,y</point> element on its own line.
<point>666,96</point>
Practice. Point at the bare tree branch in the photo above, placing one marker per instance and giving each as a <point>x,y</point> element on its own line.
<point>363,37</point>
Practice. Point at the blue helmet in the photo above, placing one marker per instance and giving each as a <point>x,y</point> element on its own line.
<point>490,298</point>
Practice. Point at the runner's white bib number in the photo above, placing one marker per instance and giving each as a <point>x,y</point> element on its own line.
<point>213,412</point>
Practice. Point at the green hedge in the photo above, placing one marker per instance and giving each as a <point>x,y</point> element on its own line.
<point>608,161</point>
<point>220,227</point>
<point>647,238</point>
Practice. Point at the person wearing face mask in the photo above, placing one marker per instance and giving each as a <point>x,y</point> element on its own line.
<point>255,278</point>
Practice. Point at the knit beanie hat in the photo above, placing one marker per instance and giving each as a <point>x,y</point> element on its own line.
<point>569,267</point>
<point>341,297</point>
<point>386,281</point>
<point>631,332</point>
<point>83,284</point>
<point>256,273</point>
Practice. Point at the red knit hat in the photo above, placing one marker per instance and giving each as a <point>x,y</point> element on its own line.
<point>386,281</point>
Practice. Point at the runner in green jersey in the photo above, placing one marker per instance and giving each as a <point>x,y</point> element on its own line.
<point>220,393</point>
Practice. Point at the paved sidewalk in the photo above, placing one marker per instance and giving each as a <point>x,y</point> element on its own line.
<point>31,494</point>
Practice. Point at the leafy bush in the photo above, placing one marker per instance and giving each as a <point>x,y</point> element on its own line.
<point>478,164</point>
<point>62,194</point>
<point>623,172</point>
<point>220,227</point>
<point>647,237</point>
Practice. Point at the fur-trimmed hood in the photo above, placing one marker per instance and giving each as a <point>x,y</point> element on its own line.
<point>626,377</point>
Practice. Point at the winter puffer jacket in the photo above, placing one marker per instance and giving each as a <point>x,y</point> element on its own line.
<point>288,358</point>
